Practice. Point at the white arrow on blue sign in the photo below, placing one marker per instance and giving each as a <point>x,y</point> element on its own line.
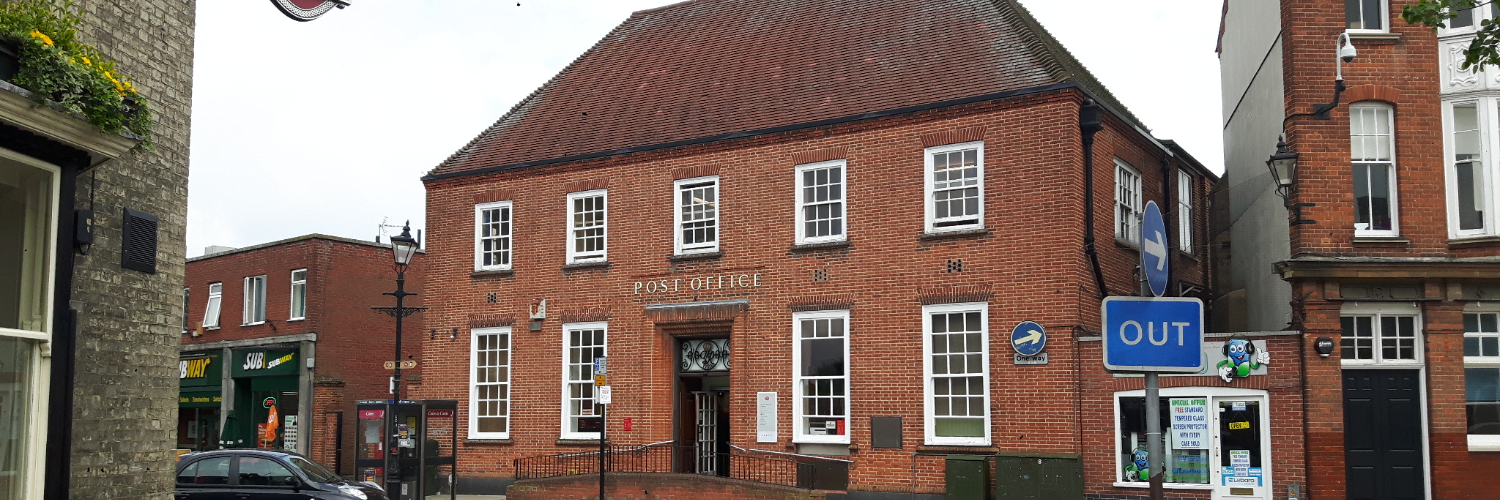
<point>1153,334</point>
<point>1155,254</point>
<point>1028,338</point>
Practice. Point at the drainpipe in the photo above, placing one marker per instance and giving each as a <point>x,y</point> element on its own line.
<point>1090,122</point>
<point>1168,209</point>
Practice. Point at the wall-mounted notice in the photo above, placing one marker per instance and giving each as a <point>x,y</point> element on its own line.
<point>765,417</point>
<point>1189,419</point>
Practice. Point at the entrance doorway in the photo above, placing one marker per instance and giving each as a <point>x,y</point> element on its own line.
<point>1239,449</point>
<point>1383,458</point>
<point>702,423</point>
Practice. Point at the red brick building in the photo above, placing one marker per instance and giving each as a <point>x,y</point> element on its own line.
<point>809,228</point>
<point>1393,264</point>
<point>290,322</point>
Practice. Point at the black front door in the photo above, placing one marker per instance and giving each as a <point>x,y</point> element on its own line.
<point>1383,434</point>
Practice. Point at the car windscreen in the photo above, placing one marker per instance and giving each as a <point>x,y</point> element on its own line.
<point>314,471</point>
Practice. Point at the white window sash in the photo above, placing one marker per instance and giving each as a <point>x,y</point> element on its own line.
<point>568,346</point>
<point>38,265</point>
<point>928,405</point>
<point>298,307</point>
<point>254,312</point>
<point>507,224</point>
<point>929,181</point>
<point>799,434</point>
<point>1127,204</point>
<point>474,385</point>
<point>1483,191</point>
<point>678,187</point>
<point>215,306</point>
<point>1357,115</point>
<point>842,201</point>
<point>1185,231</point>
<point>1383,15</point>
<point>602,254</point>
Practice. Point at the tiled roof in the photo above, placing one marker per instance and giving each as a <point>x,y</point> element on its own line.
<point>707,68</point>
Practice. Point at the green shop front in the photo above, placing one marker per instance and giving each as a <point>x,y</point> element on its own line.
<point>267,399</point>
<point>200,395</point>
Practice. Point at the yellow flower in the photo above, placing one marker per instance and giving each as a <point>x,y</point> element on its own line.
<point>44,38</point>
<point>86,61</point>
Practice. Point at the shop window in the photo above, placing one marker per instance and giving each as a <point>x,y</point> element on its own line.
<point>1185,212</point>
<point>588,231</point>
<point>1127,204</point>
<point>254,312</point>
<point>820,202</point>
<point>582,342</point>
<point>697,215</point>
<point>1213,438</point>
<point>955,187</point>
<point>489,392</point>
<point>215,301</point>
<point>956,367</point>
<point>1380,338</point>
<point>299,294</point>
<point>820,353</point>
<point>1373,150</point>
<point>1187,436</point>
<point>1482,379</point>
<point>1365,15</point>
<point>492,236</point>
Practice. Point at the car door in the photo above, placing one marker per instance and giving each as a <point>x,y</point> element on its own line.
<point>262,477</point>
<point>205,479</point>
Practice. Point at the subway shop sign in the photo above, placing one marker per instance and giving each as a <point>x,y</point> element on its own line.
<point>263,363</point>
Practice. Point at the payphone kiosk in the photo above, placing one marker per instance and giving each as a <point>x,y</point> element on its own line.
<point>409,447</point>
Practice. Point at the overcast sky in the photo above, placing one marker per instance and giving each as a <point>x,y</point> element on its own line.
<point>326,126</point>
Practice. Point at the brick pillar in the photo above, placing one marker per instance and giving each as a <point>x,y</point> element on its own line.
<point>1324,390</point>
<point>328,408</point>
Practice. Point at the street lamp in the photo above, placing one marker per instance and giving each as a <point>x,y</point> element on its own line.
<point>1283,166</point>
<point>403,248</point>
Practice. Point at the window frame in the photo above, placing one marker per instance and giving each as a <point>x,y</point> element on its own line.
<point>801,202</point>
<point>680,248</point>
<point>1213,394</point>
<point>929,192</point>
<point>474,366</point>
<point>1481,442</point>
<point>507,208</point>
<point>1385,17</point>
<point>1185,226</point>
<point>929,427</point>
<point>567,346</point>
<point>1391,177</point>
<point>254,302</point>
<point>215,306</point>
<point>798,434</point>
<point>1136,208</point>
<point>1485,109</point>
<point>293,307</point>
<point>574,257</point>
<point>1376,311</point>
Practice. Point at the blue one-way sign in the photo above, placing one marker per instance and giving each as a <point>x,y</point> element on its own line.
<point>1153,334</point>
<point>1155,251</point>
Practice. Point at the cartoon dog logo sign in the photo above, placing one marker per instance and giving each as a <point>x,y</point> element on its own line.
<point>1243,357</point>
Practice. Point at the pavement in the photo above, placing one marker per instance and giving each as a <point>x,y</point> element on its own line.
<point>477,497</point>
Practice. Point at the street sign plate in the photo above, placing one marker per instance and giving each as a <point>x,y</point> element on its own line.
<point>606,395</point>
<point>599,380</point>
<point>599,366</point>
<point>1156,252</point>
<point>1153,334</point>
<point>1028,338</point>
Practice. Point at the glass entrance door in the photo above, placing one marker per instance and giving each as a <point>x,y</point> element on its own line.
<point>1240,470</point>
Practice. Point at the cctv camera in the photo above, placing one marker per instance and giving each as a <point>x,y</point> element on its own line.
<point>1346,49</point>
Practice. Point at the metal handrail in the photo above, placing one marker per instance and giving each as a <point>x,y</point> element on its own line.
<point>799,455</point>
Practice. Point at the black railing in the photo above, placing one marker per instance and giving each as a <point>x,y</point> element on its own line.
<point>790,469</point>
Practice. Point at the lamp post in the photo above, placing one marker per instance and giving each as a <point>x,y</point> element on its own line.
<point>404,247</point>
<point>1283,166</point>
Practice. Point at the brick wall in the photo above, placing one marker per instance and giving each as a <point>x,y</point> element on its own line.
<point>624,486</point>
<point>126,372</point>
<point>1030,265</point>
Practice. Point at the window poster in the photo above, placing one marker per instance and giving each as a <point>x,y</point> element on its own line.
<point>1188,439</point>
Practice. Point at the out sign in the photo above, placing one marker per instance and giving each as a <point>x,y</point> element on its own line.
<point>1153,334</point>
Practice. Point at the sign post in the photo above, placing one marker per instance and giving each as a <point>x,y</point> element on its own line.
<point>1150,335</point>
<point>603,395</point>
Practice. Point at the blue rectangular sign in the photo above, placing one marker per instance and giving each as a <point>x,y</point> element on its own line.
<point>1153,334</point>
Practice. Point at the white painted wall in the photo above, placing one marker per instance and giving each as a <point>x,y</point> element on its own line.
<point>1250,68</point>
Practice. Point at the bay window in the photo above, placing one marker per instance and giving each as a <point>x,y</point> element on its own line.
<point>1470,166</point>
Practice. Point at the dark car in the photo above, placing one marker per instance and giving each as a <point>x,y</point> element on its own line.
<point>263,475</point>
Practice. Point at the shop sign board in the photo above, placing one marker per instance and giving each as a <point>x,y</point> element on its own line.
<point>765,417</point>
<point>263,363</point>
<point>200,370</point>
<point>1153,334</point>
<point>1189,418</point>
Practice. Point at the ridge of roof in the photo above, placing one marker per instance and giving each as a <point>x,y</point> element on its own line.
<point>654,10</point>
<point>294,239</point>
<point>1052,53</point>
